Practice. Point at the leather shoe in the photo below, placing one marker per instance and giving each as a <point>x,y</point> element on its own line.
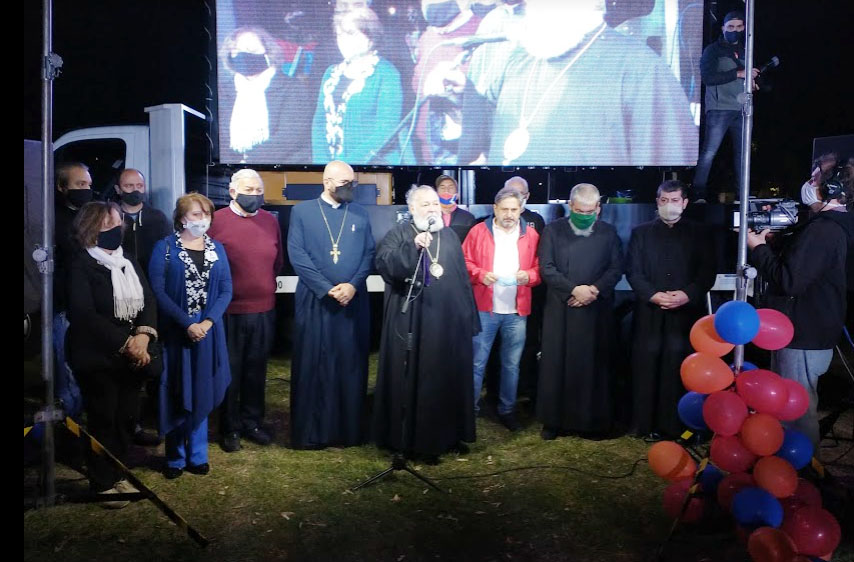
<point>172,472</point>
<point>548,434</point>
<point>200,469</point>
<point>258,435</point>
<point>509,421</point>
<point>230,442</point>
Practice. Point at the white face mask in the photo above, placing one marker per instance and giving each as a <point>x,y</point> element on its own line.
<point>670,212</point>
<point>199,227</point>
<point>808,194</point>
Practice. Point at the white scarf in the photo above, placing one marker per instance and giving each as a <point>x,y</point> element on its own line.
<point>127,290</point>
<point>249,124</point>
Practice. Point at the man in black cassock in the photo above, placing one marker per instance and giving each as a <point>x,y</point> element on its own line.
<point>331,248</point>
<point>581,263</point>
<point>437,400</point>
<point>670,269</point>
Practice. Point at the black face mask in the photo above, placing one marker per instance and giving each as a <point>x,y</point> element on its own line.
<point>733,36</point>
<point>344,193</point>
<point>481,10</point>
<point>78,197</point>
<point>249,203</point>
<point>110,239</point>
<point>131,199</point>
<point>441,13</point>
<point>248,64</point>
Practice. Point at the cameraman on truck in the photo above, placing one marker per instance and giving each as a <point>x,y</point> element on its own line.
<point>807,281</point>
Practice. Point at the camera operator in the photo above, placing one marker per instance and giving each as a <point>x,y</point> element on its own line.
<point>806,274</point>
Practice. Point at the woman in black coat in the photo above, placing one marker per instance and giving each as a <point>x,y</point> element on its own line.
<point>112,313</point>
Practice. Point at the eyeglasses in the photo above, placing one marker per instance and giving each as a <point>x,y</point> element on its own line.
<point>351,184</point>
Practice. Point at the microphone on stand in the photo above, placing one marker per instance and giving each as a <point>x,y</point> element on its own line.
<point>773,63</point>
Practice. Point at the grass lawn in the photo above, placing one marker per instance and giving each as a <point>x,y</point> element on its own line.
<point>514,497</point>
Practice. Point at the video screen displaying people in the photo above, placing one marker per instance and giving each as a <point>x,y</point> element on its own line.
<point>459,82</point>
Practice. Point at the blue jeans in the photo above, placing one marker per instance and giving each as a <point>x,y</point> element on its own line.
<point>718,122</point>
<point>804,366</point>
<point>66,388</point>
<point>512,327</point>
<point>186,445</point>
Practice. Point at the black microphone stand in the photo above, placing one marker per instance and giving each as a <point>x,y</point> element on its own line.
<point>410,369</point>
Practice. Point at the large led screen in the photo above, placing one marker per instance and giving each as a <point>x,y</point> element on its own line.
<point>459,82</point>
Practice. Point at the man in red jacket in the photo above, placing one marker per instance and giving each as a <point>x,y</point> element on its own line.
<point>501,258</point>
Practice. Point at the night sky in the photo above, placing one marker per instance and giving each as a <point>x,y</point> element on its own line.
<point>122,56</point>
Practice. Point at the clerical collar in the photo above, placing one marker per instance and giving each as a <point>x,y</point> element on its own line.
<point>238,211</point>
<point>328,200</point>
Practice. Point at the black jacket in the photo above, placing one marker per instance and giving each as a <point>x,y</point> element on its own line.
<point>807,278</point>
<point>96,335</point>
<point>142,232</point>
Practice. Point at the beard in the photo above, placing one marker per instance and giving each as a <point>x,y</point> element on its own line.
<point>551,29</point>
<point>423,223</point>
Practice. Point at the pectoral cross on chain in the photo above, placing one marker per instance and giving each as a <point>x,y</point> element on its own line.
<point>334,252</point>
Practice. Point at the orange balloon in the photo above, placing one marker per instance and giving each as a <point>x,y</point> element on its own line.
<point>670,461</point>
<point>775,475</point>
<point>767,544</point>
<point>704,338</point>
<point>705,373</point>
<point>762,434</point>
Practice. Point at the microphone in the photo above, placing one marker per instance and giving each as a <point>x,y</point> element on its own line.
<point>773,63</point>
<point>475,40</point>
<point>431,220</point>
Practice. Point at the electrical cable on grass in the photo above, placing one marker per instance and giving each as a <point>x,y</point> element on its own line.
<point>551,467</point>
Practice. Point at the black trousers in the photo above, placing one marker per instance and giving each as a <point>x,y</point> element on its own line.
<point>111,400</point>
<point>250,338</point>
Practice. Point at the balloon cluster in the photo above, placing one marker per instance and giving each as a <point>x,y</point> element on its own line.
<point>779,512</point>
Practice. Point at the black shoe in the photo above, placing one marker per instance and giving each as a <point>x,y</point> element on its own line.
<point>200,469</point>
<point>509,421</point>
<point>171,472</point>
<point>230,442</point>
<point>145,438</point>
<point>431,460</point>
<point>548,434</point>
<point>257,435</point>
<point>652,437</point>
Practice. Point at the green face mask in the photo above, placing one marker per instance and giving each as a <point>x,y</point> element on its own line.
<point>582,222</point>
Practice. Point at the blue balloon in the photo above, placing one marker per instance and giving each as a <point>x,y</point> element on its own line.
<point>745,366</point>
<point>690,410</point>
<point>737,322</point>
<point>797,449</point>
<point>754,507</point>
<point>710,478</point>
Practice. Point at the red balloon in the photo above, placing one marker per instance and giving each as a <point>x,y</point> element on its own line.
<point>776,476</point>
<point>797,401</point>
<point>762,390</point>
<point>814,530</point>
<point>807,493</point>
<point>791,505</point>
<point>724,412</point>
<point>705,373</point>
<point>728,453</point>
<point>775,329</point>
<point>762,434</point>
<point>674,497</point>
<point>767,544</point>
<point>731,485</point>
<point>670,461</point>
<point>704,338</point>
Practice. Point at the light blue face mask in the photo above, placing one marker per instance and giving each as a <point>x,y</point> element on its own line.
<point>506,281</point>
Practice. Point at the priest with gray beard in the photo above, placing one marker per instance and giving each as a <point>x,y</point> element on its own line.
<point>436,401</point>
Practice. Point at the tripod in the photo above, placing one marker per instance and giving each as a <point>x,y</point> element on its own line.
<point>410,370</point>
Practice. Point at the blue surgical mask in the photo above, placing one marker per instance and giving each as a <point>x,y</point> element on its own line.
<point>506,281</point>
<point>199,227</point>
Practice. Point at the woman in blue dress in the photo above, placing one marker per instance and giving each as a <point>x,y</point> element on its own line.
<point>360,98</point>
<point>191,280</point>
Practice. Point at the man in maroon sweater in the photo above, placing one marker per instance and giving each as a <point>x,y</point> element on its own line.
<point>253,242</point>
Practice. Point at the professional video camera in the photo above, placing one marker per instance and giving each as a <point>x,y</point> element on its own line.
<point>773,214</point>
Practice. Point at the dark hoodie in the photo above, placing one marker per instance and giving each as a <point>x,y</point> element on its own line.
<point>808,278</point>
